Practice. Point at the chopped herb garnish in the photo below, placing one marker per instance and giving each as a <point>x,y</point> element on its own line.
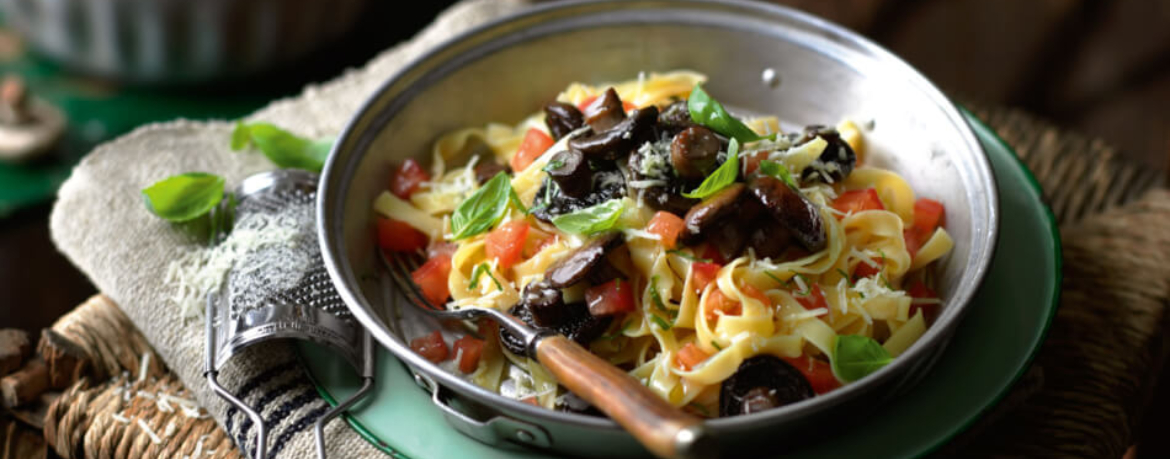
<point>553,165</point>
<point>779,171</point>
<point>845,275</point>
<point>515,198</point>
<point>777,279</point>
<point>658,303</point>
<point>717,346</point>
<point>619,332</point>
<point>480,270</point>
<point>662,323</point>
<point>688,256</point>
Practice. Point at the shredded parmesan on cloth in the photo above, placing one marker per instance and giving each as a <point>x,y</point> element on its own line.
<point>203,270</point>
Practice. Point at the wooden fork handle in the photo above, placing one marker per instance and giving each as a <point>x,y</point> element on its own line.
<point>666,431</point>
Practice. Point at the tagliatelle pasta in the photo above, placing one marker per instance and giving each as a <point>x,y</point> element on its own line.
<point>682,244</point>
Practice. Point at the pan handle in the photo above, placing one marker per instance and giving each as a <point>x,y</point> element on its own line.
<point>662,428</point>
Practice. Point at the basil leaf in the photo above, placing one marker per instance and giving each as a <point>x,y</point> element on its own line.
<point>777,170</point>
<point>184,197</point>
<point>283,148</point>
<point>591,220</point>
<point>856,356</point>
<point>483,209</point>
<point>723,177</point>
<point>710,113</point>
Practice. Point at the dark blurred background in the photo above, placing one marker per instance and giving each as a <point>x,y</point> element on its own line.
<point>1098,67</point>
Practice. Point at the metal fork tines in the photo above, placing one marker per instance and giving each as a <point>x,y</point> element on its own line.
<point>278,288</point>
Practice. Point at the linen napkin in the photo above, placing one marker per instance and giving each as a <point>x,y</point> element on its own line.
<point>100,223</point>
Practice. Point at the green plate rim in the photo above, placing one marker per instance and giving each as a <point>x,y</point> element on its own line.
<point>1058,279</point>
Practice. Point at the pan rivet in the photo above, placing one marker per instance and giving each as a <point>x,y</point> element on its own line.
<point>525,436</point>
<point>770,78</point>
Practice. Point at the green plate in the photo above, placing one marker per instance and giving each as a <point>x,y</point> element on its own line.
<point>991,349</point>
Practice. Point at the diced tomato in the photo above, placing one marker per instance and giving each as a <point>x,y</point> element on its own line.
<point>818,373</point>
<point>610,298</point>
<point>468,348</point>
<point>921,291</point>
<point>751,162</point>
<point>431,347</point>
<point>441,247</point>
<point>667,226</point>
<point>398,236</point>
<point>928,215</point>
<point>864,270</point>
<point>534,144</point>
<point>719,305</point>
<point>754,292</point>
<point>690,356</point>
<point>815,299</point>
<point>407,178</point>
<point>584,105</point>
<point>431,277</point>
<point>710,252</point>
<point>858,200</point>
<point>486,327</point>
<point>507,242</point>
<point>914,240</point>
<point>531,400</point>
<point>703,274</point>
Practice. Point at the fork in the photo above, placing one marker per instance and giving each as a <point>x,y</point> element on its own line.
<point>663,429</point>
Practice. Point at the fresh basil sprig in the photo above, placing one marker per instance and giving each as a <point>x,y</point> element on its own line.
<point>778,170</point>
<point>184,197</point>
<point>483,209</point>
<point>589,220</point>
<point>856,356</point>
<point>710,113</point>
<point>283,148</point>
<point>723,176</point>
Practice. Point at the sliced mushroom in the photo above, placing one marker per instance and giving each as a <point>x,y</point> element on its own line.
<point>710,212</point>
<point>485,170</point>
<point>769,239</point>
<point>545,303</point>
<point>836,161</point>
<point>575,266</point>
<point>605,112</point>
<point>551,201</point>
<point>761,383</point>
<point>799,216</point>
<point>622,138</point>
<point>569,169</point>
<point>575,323</point>
<point>694,152</point>
<point>562,119</point>
<point>675,117</point>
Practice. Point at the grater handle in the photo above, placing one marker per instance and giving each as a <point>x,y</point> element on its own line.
<point>662,428</point>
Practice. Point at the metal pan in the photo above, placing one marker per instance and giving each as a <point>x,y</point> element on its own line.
<point>507,69</point>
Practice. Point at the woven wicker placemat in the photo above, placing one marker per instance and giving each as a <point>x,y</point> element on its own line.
<point>1083,396</point>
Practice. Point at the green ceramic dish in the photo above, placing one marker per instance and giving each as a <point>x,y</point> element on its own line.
<point>991,349</point>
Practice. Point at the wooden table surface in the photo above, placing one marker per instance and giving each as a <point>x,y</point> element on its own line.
<point>1095,66</point>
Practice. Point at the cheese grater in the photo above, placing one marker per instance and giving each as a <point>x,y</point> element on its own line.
<point>278,288</point>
